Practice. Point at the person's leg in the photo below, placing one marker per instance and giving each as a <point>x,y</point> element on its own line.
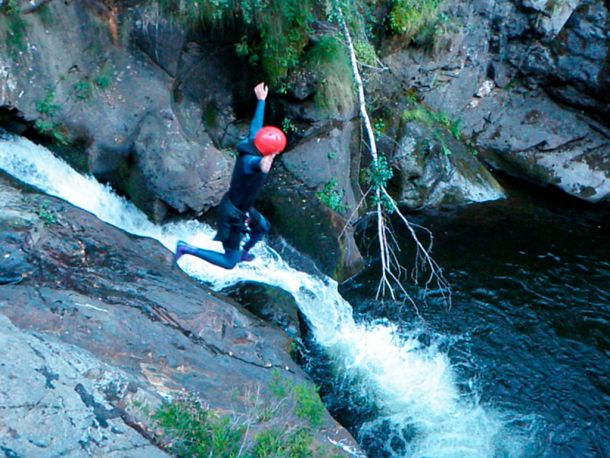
<point>226,260</point>
<point>259,227</point>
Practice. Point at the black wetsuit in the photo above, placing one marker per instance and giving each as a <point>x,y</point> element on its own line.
<point>236,205</point>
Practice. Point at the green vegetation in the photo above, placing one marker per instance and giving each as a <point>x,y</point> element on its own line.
<point>47,216</point>
<point>45,14</point>
<point>288,126</point>
<point>83,89</point>
<point>103,79</point>
<point>276,31</point>
<point>46,105</point>
<point>365,52</point>
<point>15,26</point>
<point>308,404</point>
<point>434,118</point>
<point>378,127</point>
<point>11,7</point>
<point>377,177</point>
<point>194,430</point>
<point>277,386</point>
<point>332,197</point>
<point>274,443</point>
<point>45,124</point>
<point>408,17</point>
<point>328,59</point>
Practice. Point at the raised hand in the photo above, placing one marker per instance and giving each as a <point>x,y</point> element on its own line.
<point>261,91</point>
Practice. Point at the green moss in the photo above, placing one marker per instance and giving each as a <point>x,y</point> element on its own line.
<point>432,118</point>
<point>277,31</point>
<point>408,17</point>
<point>103,79</point>
<point>365,52</point>
<point>330,61</point>
<point>44,12</point>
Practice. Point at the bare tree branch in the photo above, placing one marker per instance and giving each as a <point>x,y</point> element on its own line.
<point>391,269</point>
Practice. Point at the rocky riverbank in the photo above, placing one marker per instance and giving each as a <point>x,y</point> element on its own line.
<point>99,327</point>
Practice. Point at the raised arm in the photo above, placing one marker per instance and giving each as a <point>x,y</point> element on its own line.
<point>261,91</point>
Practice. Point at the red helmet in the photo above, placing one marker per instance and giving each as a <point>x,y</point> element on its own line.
<point>270,140</point>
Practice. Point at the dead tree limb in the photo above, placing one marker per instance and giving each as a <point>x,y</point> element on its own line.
<point>391,269</point>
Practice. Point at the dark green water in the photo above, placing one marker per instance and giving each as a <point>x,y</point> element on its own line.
<point>529,324</point>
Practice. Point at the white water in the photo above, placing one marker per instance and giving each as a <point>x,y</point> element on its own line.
<point>413,384</point>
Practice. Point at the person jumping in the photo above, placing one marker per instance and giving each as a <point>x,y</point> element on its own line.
<point>235,212</point>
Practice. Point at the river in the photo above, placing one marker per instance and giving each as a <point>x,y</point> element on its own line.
<point>516,368</point>
<point>528,331</point>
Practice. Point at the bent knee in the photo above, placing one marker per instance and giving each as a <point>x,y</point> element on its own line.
<point>231,259</point>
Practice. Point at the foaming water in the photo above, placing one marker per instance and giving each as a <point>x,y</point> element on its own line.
<point>414,384</point>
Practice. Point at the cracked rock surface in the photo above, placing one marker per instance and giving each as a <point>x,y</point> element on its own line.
<point>100,320</point>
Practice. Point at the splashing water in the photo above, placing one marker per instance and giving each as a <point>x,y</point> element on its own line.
<point>413,384</point>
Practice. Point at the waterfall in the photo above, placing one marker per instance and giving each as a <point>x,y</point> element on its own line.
<point>413,384</point>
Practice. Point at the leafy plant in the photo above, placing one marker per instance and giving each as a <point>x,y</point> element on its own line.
<point>377,177</point>
<point>196,430</point>
<point>378,127</point>
<point>277,386</point>
<point>83,89</point>
<point>11,7</point>
<point>46,105</point>
<point>308,404</point>
<point>103,79</point>
<point>288,126</point>
<point>46,215</point>
<point>274,443</point>
<point>45,124</point>
<point>332,197</point>
<point>407,17</point>
<point>52,130</point>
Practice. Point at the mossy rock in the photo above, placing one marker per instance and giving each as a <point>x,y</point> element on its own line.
<point>310,226</point>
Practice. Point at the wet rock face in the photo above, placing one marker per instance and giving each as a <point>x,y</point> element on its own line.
<point>513,81</point>
<point>113,94</point>
<point>434,168</point>
<point>188,175</point>
<point>102,323</point>
<point>309,225</point>
<point>269,303</point>
<point>334,153</point>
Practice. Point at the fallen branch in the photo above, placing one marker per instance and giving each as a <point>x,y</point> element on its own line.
<point>391,269</point>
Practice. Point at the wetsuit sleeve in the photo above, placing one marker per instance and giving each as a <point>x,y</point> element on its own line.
<point>257,121</point>
<point>252,164</point>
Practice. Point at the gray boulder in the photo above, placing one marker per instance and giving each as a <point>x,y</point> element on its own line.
<point>102,326</point>
<point>434,168</point>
